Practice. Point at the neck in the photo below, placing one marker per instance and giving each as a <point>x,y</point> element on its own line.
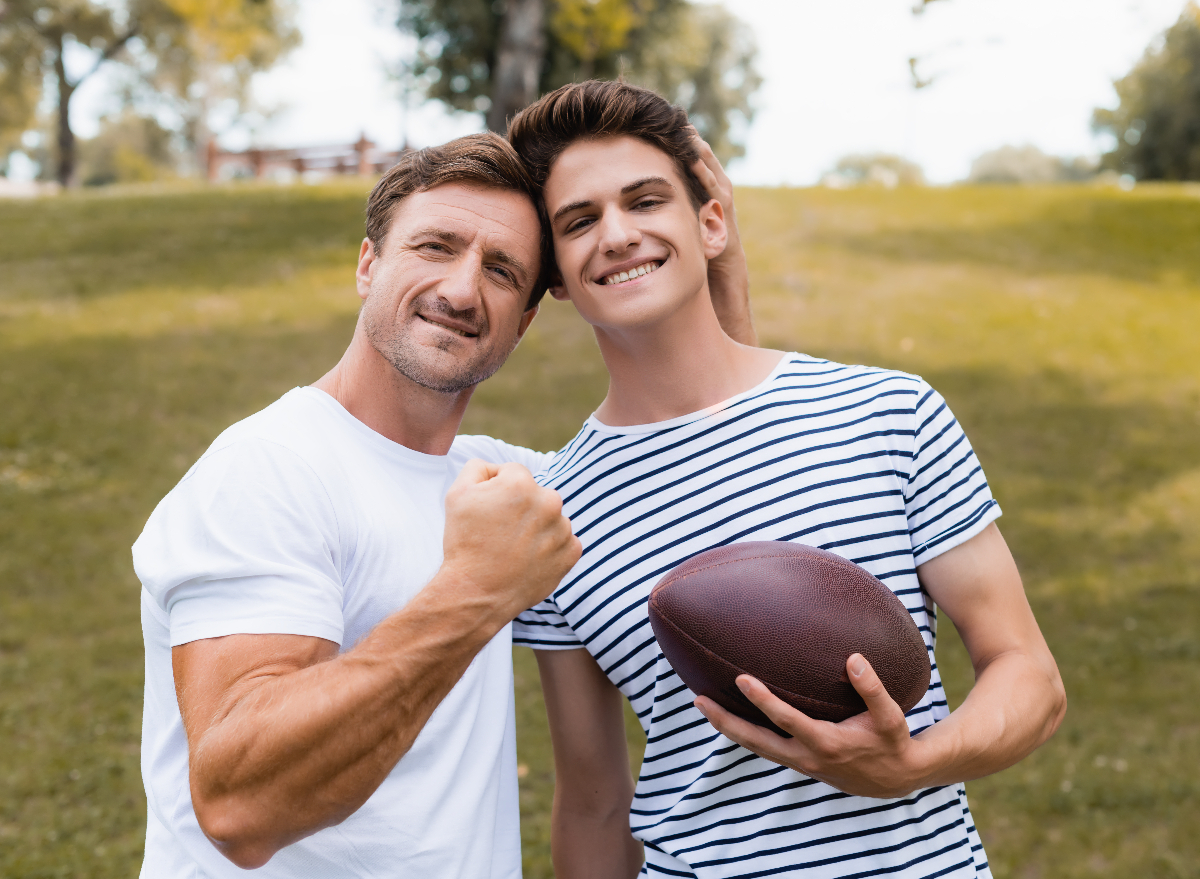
<point>371,390</point>
<point>679,364</point>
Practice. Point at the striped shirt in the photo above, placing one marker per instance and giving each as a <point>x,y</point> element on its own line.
<point>863,462</point>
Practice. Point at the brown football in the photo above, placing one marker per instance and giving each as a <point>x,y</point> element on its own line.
<point>789,615</point>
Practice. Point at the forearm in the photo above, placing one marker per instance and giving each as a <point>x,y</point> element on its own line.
<point>291,753</point>
<point>729,286</point>
<point>593,787</point>
<point>591,843</point>
<point>1016,705</point>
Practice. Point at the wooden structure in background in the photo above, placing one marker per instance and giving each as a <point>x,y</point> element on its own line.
<point>361,157</point>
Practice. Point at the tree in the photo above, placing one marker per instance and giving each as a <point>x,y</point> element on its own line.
<point>1028,164</point>
<point>206,66</point>
<point>1157,122</point>
<point>20,67</point>
<point>707,66</point>
<point>168,42</point>
<point>128,149</point>
<point>874,169</point>
<point>522,43</point>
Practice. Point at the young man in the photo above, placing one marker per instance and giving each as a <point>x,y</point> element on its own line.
<point>327,592</point>
<point>702,442</point>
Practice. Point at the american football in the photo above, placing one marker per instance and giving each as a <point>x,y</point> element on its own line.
<point>789,615</point>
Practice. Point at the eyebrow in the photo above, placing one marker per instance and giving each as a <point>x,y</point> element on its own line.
<point>493,253</point>
<point>625,190</point>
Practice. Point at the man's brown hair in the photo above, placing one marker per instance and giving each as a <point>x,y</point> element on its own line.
<point>597,109</point>
<point>485,160</point>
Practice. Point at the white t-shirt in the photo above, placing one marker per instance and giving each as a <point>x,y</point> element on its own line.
<point>302,520</point>
<point>866,463</point>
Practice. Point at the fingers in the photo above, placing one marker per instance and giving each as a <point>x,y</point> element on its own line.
<point>476,471</point>
<point>778,712</point>
<point>749,735</point>
<point>709,172</point>
<point>880,704</point>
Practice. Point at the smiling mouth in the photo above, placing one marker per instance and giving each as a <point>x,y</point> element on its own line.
<point>464,333</point>
<point>635,272</point>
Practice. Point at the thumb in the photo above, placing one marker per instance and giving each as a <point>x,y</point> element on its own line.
<point>879,702</point>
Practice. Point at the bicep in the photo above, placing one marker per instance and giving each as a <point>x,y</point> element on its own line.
<point>587,722</point>
<point>977,585</point>
<point>212,674</point>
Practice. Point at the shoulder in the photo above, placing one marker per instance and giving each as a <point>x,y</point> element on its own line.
<point>278,455</point>
<point>814,378</point>
<point>494,451</point>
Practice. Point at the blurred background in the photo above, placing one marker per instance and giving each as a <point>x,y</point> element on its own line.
<point>1004,198</point>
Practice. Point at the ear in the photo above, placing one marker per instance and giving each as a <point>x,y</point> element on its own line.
<point>362,276</point>
<point>559,291</point>
<point>713,233</point>
<point>526,320</point>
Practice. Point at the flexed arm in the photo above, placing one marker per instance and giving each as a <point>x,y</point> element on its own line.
<point>286,737</point>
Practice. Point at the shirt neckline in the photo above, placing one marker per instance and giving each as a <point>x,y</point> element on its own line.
<point>374,438</point>
<point>628,430</point>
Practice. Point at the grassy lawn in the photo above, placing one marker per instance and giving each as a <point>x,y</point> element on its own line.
<point>1059,323</point>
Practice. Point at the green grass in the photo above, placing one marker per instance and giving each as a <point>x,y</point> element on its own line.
<point>1058,322</point>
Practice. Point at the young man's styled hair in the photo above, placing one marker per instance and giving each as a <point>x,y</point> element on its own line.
<point>596,109</point>
<point>484,160</point>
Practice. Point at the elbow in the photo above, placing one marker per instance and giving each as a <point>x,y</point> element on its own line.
<point>1056,707</point>
<point>232,830</point>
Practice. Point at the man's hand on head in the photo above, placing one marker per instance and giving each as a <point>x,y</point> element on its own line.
<point>728,274</point>
<point>868,755</point>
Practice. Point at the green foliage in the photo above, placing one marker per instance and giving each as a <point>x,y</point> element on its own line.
<point>210,60</point>
<point>188,54</point>
<point>457,42</point>
<point>700,57</point>
<point>1028,164</point>
<point>20,67</point>
<point>1157,122</point>
<point>128,149</point>
<point>705,66</point>
<point>1058,322</point>
<point>875,169</point>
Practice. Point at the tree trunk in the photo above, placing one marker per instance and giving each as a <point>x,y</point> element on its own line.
<point>66,137</point>
<point>519,60</point>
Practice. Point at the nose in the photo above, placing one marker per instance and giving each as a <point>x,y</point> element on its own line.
<point>617,234</point>
<point>460,288</point>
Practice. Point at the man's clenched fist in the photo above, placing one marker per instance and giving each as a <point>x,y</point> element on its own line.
<point>507,541</point>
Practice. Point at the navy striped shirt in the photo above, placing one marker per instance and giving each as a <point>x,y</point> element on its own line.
<point>863,462</point>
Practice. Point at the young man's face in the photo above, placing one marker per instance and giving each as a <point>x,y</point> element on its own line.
<point>631,248</point>
<point>445,301</point>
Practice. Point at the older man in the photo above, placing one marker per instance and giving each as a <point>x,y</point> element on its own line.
<point>327,592</point>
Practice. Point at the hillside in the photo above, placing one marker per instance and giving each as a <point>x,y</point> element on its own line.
<point>1059,323</point>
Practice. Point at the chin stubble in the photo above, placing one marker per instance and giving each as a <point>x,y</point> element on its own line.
<point>396,346</point>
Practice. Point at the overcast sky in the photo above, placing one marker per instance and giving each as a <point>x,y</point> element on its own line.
<point>836,80</point>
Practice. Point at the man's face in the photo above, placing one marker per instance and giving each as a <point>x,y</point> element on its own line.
<point>445,301</point>
<point>630,246</point>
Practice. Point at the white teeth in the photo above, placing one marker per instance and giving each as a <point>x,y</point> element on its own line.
<point>636,272</point>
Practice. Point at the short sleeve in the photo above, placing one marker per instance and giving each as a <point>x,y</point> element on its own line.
<point>947,499</point>
<point>543,627</point>
<point>245,544</point>
<point>496,451</point>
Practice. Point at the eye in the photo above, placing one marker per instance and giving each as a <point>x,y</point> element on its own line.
<point>648,202</point>
<point>504,273</point>
<point>576,225</point>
